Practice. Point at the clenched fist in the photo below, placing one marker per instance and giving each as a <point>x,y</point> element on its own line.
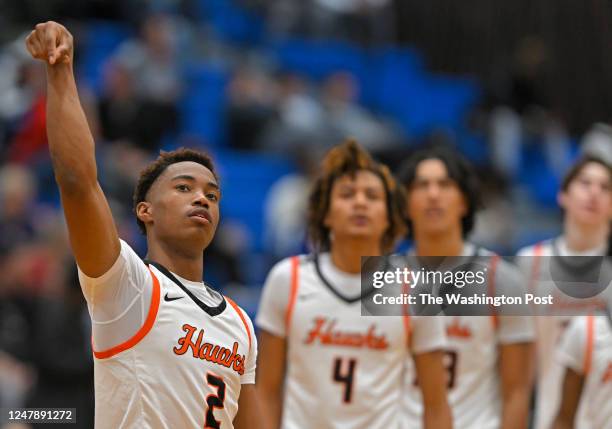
<point>51,42</point>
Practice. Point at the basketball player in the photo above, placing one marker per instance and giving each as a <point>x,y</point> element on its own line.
<point>586,353</point>
<point>488,356</point>
<point>169,352</point>
<point>322,364</point>
<point>586,200</point>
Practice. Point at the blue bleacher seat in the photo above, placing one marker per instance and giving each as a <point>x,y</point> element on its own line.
<point>202,106</point>
<point>245,179</point>
<point>95,46</point>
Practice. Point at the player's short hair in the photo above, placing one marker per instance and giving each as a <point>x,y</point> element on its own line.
<point>149,175</point>
<point>575,171</point>
<point>458,169</point>
<point>347,159</point>
<point>579,165</point>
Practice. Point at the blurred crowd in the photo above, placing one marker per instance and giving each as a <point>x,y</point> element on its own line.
<point>199,73</point>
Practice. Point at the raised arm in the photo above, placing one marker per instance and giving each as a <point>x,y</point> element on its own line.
<point>93,234</point>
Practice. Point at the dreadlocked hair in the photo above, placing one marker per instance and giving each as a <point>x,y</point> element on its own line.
<point>149,175</point>
<point>349,158</point>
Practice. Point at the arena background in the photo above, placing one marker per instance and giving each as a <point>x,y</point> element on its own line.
<point>521,88</point>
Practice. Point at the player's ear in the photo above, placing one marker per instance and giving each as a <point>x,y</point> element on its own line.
<point>562,199</point>
<point>326,221</point>
<point>144,212</point>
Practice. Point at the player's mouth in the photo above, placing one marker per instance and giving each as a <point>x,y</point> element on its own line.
<point>200,215</point>
<point>360,220</point>
<point>434,212</point>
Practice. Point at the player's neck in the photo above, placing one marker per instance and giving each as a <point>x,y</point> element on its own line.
<point>580,238</point>
<point>346,255</point>
<point>185,264</point>
<point>446,244</point>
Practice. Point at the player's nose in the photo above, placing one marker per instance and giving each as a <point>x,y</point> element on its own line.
<point>200,199</point>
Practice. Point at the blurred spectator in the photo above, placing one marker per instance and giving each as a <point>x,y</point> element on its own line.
<point>363,21</point>
<point>18,83</point>
<point>251,107</point>
<point>285,209</point>
<point>154,59</point>
<point>22,104</point>
<point>494,228</point>
<point>300,120</point>
<point>18,193</point>
<point>346,118</point>
<point>524,113</point>
<point>598,142</point>
<point>61,328</point>
<point>145,84</point>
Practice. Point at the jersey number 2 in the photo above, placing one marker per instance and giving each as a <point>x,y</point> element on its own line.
<point>214,401</point>
<point>345,377</point>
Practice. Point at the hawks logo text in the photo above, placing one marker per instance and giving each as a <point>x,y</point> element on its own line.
<point>208,351</point>
<point>326,334</point>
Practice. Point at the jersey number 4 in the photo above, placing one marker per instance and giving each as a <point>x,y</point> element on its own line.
<point>214,401</point>
<point>345,374</point>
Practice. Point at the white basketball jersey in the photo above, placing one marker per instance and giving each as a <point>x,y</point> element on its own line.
<point>549,328</point>
<point>182,369</point>
<point>472,357</point>
<point>344,370</point>
<point>587,349</point>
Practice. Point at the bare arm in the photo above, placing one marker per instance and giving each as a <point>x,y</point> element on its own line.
<point>432,379</point>
<point>249,409</point>
<point>92,231</point>
<point>270,377</point>
<point>572,390</point>
<point>516,377</point>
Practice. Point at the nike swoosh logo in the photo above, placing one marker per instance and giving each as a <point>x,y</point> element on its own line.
<point>171,298</point>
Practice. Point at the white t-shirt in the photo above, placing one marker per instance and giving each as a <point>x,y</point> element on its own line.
<point>344,370</point>
<point>586,347</point>
<point>161,358</point>
<point>532,260</point>
<point>472,356</point>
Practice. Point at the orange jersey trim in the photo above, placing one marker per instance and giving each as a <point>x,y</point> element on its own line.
<point>406,315</point>
<point>244,322</point>
<point>142,332</point>
<point>295,262</point>
<point>588,355</point>
<point>535,270</point>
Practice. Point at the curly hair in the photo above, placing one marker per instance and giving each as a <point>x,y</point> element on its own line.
<point>458,169</point>
<point>347,159</point>
<point>149,175</point>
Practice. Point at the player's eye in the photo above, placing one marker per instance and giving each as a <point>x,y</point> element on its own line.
<point>373,195</point>
<point>446,183</point>
<point>212,196</point>
<point>182,187</point>
<point>420,185</point>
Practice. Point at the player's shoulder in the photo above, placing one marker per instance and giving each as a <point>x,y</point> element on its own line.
<point>543,247</point>
<point>285,267</point>
<point>127,267</point>
<point>240,312</point>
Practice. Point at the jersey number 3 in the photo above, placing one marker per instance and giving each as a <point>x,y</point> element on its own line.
<point>214,401</point>
<point>345,376</point>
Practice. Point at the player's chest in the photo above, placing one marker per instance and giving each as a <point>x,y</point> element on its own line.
<point>187,340</point>
<point>321,320</point>
<point>472,334</point>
